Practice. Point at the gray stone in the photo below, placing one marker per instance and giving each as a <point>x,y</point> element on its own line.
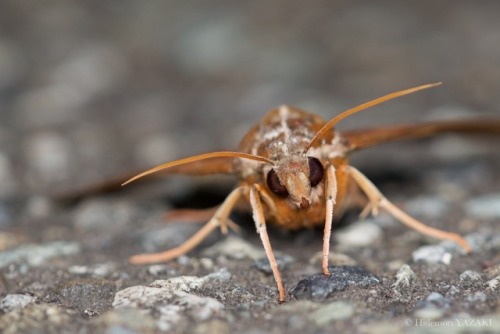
<point>235,248</point>
<point>434,300</point>
<point>15,302</point>
<point>493,284</point>
<point>483,240</point>
<point>359,234</point>
<point>470,279</point>
<point>190,283</point>
<point>170,307</point>
<point>321,287</point>
<point>432,254</point>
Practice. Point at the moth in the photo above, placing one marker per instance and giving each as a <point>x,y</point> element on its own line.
<point>293,171</point>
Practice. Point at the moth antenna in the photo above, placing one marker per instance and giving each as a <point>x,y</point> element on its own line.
<point>199,157</point>
<point>364,106</point>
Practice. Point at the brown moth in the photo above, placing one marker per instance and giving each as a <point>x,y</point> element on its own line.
<point>293,171</point>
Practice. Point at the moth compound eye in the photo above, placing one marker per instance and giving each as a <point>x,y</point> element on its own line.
<point>315,171</point>
<point>274,184</point>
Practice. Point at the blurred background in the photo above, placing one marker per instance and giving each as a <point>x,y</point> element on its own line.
<point>92,89</point>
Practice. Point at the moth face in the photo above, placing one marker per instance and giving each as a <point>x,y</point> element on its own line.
<point>294,178</point>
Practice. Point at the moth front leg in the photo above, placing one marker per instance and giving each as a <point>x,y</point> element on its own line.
<point>260,224</point>
<point>378,201</point>
<point>199,216</point>
<point>330,195</point>
<point>219,219</point>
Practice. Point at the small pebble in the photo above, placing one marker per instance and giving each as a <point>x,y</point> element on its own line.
<point>434,300</point>
<point>190,283</point>
<point>235,248</point>
<point>359,234</point>
<point>470,279</point>
<point>207,263</point>
<point>493,284</point>
<point>15,302</point>
<point>321,287</point>
<point>483,240</point>
<point>158,269</point>
<point>432,254</point>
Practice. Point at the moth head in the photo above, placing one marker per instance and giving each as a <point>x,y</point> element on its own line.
<point>294,178</point>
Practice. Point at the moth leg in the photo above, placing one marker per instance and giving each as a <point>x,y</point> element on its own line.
<point>190,215</point>
<point>330,195</point>
<point>217,220</point>
<point>260,224</point>
<point>379,201</point>
<point>199,216</point>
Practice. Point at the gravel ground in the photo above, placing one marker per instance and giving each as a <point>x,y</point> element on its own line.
<point>95,90</point>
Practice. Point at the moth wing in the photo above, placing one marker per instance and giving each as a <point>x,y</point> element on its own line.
<point>359,139</point>
<point>217,165</point>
